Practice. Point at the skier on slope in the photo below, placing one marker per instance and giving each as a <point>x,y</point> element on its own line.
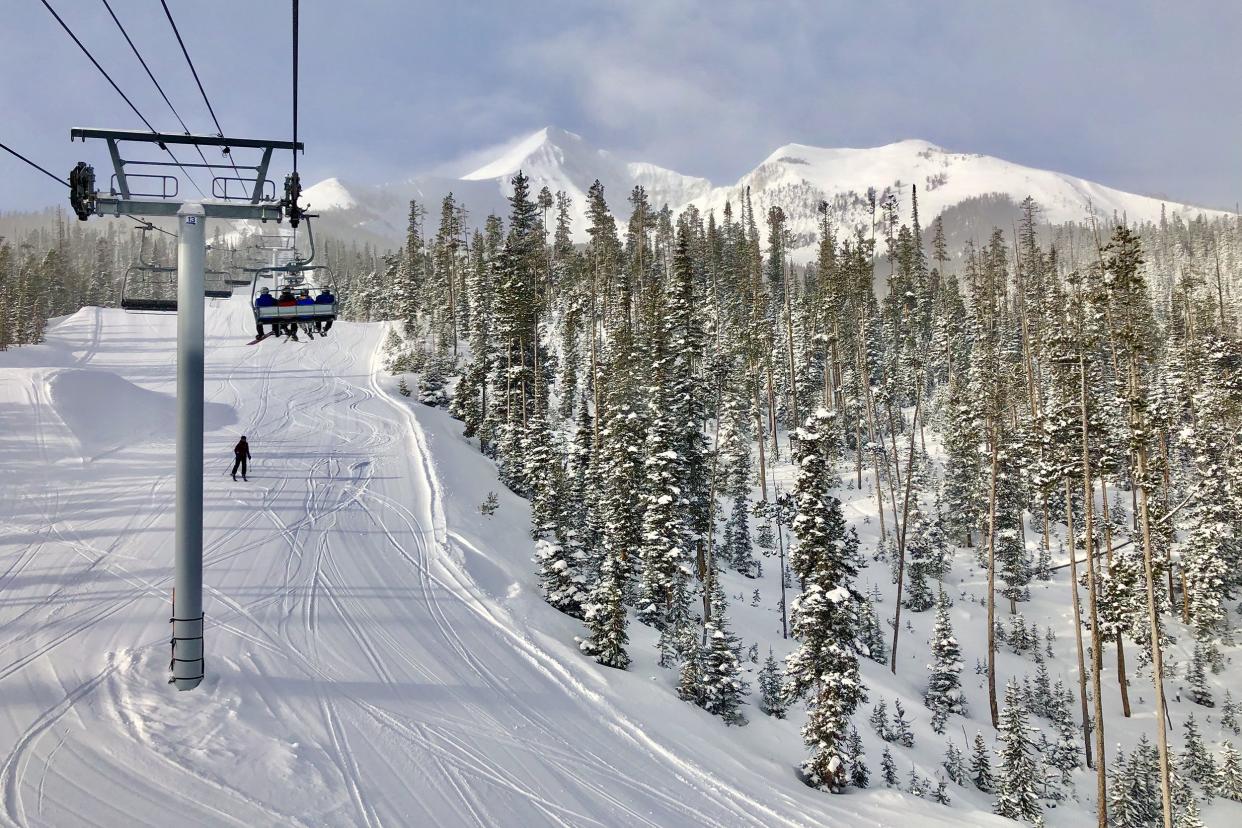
<point>241,453</point>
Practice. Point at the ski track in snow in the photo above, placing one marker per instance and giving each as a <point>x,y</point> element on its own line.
<point>356,674</point>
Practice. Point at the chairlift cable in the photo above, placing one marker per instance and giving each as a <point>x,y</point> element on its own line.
<point>21,157</point>
<point>125,97</point>
<point>151,75</point>
<point>62,181</point>
<point>102,71</point>
<point>210,109</point>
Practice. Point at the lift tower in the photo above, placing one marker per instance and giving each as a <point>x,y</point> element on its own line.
<point>257,202</point>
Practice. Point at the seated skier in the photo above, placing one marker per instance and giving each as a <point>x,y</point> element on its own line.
<point>325,297</point>
<point>264,300</point>
<point>287,300</point>
<point>304,298</point>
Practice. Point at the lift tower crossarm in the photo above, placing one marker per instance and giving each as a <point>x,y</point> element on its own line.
<point>115,206</point>
<point>179,138</point>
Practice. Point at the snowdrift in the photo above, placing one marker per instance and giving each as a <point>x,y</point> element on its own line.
<point>105,411</point>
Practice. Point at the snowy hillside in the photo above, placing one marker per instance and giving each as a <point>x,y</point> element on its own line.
<point>378,652</point>
<point>795,177</point>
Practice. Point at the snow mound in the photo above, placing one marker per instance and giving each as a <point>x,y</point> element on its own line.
<point>106,412</point>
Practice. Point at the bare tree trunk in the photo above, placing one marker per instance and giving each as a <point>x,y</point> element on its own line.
<point>901,533</point>
<point>780,549</point>
<point>1088,490</point>
<point>992,707</point>
<point>793,384</point>
<point>1153,617</point>
<point>1122,681</point>
<point>776,449</point>
<point>760,439</point>
<point>865,379</point>
<point>1082,665</point>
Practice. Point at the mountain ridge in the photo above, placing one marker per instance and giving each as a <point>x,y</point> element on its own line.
<point>796,177</point>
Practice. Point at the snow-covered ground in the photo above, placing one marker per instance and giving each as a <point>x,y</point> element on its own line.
<point>377,650</point>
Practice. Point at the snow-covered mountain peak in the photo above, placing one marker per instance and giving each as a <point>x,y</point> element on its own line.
<point>796,177</point>
<point>329,194</point>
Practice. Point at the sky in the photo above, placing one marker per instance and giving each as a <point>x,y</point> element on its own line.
<point>1142,96</point>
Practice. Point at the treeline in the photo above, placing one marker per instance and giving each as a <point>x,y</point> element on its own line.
<point>54,267</point>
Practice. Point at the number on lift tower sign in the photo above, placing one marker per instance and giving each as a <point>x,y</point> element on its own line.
<point>191,219</point>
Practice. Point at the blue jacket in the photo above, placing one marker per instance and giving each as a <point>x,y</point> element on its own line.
<point>325,299</point>
<point>265,300</point>
<point>306,300</point>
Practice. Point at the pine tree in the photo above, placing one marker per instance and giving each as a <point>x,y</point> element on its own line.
<point>606,617</point>
<point>825,614</point>
<point>1016,793</point>
<point>1195,762</point>
<point>819,525</point>
<point>925,559</point>
<point>859,774</point>
<point>954,765</point>
<point>944,691</point>
<point>1197,676</point>
<point>888,769</point>
<point>916,785</point>
<point>1229,779</point>
<point>690,684</point>
<point>771,697</point>
<point>871,639</point>
<point>1126,805</point>
<point>981,765</point>
<point>902,734</point>
<point>879,721</point>
<point>723,685</point>
<point>665,549</point>
<point>1064,753</point>
<point>1229,714</point>
<point>1188,815</point>
<point>941,793</point>
<point>1041,690</point>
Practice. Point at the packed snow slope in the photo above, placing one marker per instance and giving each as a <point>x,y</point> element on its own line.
<point>377,652</point>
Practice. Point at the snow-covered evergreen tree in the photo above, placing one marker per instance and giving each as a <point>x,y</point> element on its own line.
<point>901,733</point>
<point>888,769</point>
<point>606,616</point>
<point>1196,676</point>
<point>944,686</point>
<point>981,765</point>
<point>723,687</point>
<point>824,666</point>
<point>954,765</point>
<point>1194,762</point>
<point>1229,714</point>
<point>771,694</point>
<point>1016,793</point>
<point>1229,777</point>
<point>859,773</point>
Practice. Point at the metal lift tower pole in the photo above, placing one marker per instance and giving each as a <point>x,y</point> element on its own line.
<point>187,651</point>
<point>188,663</point>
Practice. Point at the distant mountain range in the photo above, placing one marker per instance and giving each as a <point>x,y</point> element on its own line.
<point>795,177</point>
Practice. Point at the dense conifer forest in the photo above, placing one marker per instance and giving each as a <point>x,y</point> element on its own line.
<point>1041,400</point>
